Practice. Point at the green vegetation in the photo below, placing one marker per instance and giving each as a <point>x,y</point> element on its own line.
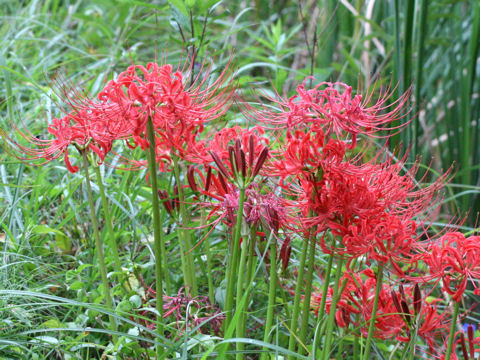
<point>54,302</point>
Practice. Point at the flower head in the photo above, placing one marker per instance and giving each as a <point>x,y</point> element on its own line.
<point>333,108</point>
<point>178,109</point>
<point>454,259</point>
<point>88,126</point>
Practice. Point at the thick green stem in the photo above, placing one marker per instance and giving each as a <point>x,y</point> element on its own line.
<point>333,307</point>
<point>189,267</point>
<point>296,302</point>
<point>252,261</point>
<point>98,246</point>
<point>340,348</point>
<point>272,289</point>
<point>166,277</point>
<point>108,221</point>
<point>373,317</point>
<point>356,343</point>
<point>211,295</point>
<point>241,272</point>
<point>321,309</point>
<point>285,299</point>
<point>157,228</point>
<point>413,339</point>
<point>448,353</point>
<point>308,294</point>
<point>233,262</point>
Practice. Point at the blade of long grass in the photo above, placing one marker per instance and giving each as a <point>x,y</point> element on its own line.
<point>422,32</point>
<point>466,98</point>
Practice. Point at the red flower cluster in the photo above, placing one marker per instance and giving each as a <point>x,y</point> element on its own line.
<point>178,111</point>
<point>332,108</point>
<point>88,125</point>
<point>454,260</point>
<point>373,206</point>
<point>398,316</point>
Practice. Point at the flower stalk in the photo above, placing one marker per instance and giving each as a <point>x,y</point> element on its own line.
<point>333,306</point>
<point>233,261</point>
<point>111,234</point>
<point>98,246</point>
<point>308,293</point>
<point>296,302</point>
<point>189,264</point>
<point>373,317</point>
<point>448,353</point>
<point>240,329</point>
<point>152,167</point>
<point>271,297</point>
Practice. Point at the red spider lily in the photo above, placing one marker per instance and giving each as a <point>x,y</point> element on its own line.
<point>90,126</point>
<point>358,191</point>
<point>261,207</point>
<point>238,154</point>
<point>332,107</point>
<point>454,260</point>
<point>372,208</point>
<point>252,140</point>
<point>304,154</point>
<point>357,299</point>
<point>469,346</point>
<point>397,315</point>
<point>429,323</point>
<point>178,110</point>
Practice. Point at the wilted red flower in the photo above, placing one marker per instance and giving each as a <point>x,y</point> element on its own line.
<point>200,312</point>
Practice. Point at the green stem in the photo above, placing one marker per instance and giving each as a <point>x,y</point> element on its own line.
<point>356,345</point>
<point>166,277</point>
<point>211,295</point>
<point>340,348</point>
<point>448,353</point>
<point>284,298</point>
<point>342,288</point>
<point>152,168</point>
<point>252,261</point>
<point>233,261</point>
<point>296,302</point>
<point>241,272</point>
<point>308,294</point>
<point>98,246</point>
<point>333,308</point>
<point>373,317</point>
<point>271,296</point>
<point>109,224</point>
<point>321,309</point>
<point>251,255</point>
<point>413,338</point>
<point>189,268</point>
